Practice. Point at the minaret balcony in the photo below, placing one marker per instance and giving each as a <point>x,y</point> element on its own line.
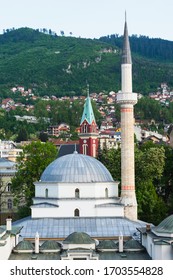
<point>127,98</point>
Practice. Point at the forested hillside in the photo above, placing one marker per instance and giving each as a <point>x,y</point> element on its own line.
<point>59,65</point>
<point>152,48</point>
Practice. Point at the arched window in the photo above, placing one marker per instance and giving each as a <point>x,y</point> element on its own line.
<point>76,193</point>
<point>76,212</point>
<point>46,193</point>
<point>106,192</point>
<point>8,188</point>
<point>9,204</point>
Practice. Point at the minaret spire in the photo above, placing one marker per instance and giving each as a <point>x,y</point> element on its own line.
<point>127,99</point>
<point>126,53</point>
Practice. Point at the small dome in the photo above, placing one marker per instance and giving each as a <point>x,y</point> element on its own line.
<point>78,238</point>
<point>107,245</point>
<point>24,245</point>
<point>50,245</point>
<point>76,168</point>
<point>133,244</point>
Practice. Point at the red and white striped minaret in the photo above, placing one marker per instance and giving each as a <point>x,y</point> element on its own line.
<point>127,99</point>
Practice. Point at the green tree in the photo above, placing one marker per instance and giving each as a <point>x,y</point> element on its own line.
<point>149,168</point>
<point>30,165</point>
<point>22,135</point>
<point>112,160</point>
<point>43,137</point>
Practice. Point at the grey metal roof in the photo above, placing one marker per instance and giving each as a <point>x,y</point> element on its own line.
<point>44,205</point>
<point>166,226</point>
<point>5,163</point>
<point>76,168</point>
<point>126,53</point>
<point>10,172</point>
<point>62,227</point>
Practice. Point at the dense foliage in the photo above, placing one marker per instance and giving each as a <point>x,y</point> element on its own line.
<point>153,178</point>
<point>30,165</point>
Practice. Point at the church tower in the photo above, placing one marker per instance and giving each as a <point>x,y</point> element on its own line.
<point>88,136</point>
<point>127,99</point>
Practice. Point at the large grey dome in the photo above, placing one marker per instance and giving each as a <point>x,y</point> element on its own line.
<point>76,168</point>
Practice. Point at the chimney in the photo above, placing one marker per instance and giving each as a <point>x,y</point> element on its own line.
<point>37,243</point>
<point>120,243</point>
<point>8,224</point>
<point>148,227</point>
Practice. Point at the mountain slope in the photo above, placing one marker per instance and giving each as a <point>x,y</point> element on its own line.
<point>61,65</point>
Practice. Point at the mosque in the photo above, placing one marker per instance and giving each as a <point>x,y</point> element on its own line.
<point>77,212</point>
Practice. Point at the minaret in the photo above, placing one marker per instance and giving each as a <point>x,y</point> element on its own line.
<point>88,136</point>
<point>127,99</point>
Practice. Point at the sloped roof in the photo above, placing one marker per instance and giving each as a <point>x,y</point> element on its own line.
<point>165,228</point>
<point>5,163</point>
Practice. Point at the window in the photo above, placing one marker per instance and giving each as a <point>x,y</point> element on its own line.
<point>94,150</point>
<point>106,192</point>
<point>9,204</point>
<point>46,193</point>
<point>8,188</point>
<point>85,129</point>
<point>76,193</point>
<point>85,149</point>
<point>76,212</point>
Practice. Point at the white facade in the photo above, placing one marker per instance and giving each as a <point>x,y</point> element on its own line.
<point>76,199</point>
<point>8,240</point>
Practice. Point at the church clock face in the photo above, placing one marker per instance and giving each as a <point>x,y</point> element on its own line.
<point>84,141</point>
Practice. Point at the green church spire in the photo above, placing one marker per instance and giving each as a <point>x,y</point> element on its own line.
<point>88,113</point>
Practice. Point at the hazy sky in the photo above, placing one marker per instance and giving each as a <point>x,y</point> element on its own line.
<point>90,18</point>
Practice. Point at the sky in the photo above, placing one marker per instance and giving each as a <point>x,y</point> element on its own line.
<point>90,18</point>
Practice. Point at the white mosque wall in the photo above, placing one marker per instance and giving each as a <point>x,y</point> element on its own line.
<point>6,249</point>
<point>68,190</point>
<point>85,208</point>
<point>157,251</point>
<point>149,245</point>
<point>162,252</point>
